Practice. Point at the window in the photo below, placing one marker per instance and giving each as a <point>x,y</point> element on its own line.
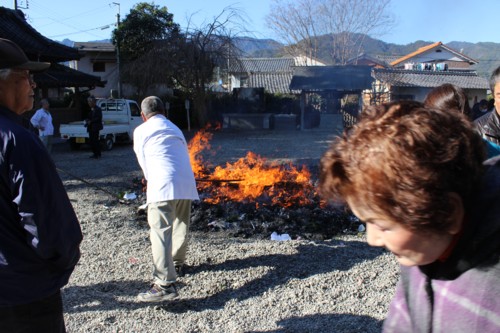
<point>134,110</point>
<point>99,66</point>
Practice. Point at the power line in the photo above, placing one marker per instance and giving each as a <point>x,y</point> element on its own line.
<point>47,13</point>
<point>78,32</point>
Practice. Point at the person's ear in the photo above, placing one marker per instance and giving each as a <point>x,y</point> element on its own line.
<point>143,117</point>
<point>457,213</point>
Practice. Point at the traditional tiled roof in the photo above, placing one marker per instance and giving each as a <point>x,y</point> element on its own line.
<point>94,46</point>
<point>387,58</point>
<point>430,47</point>
<point>346,78</point>
<point>372,58</point>
<point>63,76</point>
<point>429,79</point>
<point>13,26</point>
<point>274,83</point>
<point>262,65</point>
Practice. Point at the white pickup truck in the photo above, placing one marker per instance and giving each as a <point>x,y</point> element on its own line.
<point>120,117</point>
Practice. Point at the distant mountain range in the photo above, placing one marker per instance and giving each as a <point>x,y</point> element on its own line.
<point>486,53</point>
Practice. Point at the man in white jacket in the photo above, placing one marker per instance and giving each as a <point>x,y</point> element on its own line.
<point>162,153</point>
<point>42,120</point>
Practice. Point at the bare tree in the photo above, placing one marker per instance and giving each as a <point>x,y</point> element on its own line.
<point>294,23</point>
<point>301,23</point>
<point>201,51</point>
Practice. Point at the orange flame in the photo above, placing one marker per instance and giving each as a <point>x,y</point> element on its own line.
<point>250,179</point>
<point>198,143</point>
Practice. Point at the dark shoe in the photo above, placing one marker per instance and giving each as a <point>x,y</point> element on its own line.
<point>158,293</point>
<point>93,156</point>
<point>179,270</point>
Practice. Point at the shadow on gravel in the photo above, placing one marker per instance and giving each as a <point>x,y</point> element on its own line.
<point>309,261</point>
<point>330,323</point>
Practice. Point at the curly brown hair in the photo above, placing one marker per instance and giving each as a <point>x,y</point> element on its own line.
<point>402,160</point>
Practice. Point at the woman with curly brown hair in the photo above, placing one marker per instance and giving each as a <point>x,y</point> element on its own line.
<point>415,176</point>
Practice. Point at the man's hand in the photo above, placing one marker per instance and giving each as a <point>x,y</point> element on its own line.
<point>144,183</point>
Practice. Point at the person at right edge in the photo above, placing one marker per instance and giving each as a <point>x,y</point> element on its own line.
<point>450,97</point>
<point>489,124</point>
<point>94,125</point>
<point>416,177</point>
<point>39,232</point>
<point>162,153</point>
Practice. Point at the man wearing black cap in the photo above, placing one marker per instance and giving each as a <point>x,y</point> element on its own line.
<point>39,231</point>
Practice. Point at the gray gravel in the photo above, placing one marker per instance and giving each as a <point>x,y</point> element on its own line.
<point>231,285</point>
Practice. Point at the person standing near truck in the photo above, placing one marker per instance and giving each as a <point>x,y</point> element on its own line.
<point>39,231</point>
<point>162,153</point>
<point>42,120</point>
<point>94,125</point>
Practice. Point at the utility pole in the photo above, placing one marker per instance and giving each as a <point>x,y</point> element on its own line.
<point>118,51</point>
<point>16,6</point>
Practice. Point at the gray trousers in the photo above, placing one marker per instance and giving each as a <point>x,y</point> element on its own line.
<point>169,223</point>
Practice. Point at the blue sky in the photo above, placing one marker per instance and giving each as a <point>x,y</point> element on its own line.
<point>429,20</point>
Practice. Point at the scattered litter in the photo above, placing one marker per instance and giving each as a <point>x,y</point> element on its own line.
<point>220,224</point>
<point>129,196</point>
<point>361,228</point>
<point>277,237</point>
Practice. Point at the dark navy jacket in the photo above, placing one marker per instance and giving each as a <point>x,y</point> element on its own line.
<point>39,231</point>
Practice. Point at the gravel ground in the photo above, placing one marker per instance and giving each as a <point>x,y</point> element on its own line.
<point>231,284</point>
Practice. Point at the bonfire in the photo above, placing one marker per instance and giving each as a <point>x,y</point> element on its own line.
<point>251,179</point>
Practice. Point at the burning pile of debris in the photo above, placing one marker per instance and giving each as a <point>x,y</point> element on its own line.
<point>253,198</point>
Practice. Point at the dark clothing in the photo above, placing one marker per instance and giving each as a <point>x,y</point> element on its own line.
<point>479,111</point>
<point>45,315</point>
<point>94,122</point>
<point>462,293</point>
<point>39,231</point>
<point>95,144</point>
<point>489,127</point>
<point>94,125</point>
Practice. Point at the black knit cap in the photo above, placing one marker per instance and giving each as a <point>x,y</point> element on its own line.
<point>11,56</point>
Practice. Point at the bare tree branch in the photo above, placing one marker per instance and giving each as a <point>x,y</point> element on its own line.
<point>301,23</point>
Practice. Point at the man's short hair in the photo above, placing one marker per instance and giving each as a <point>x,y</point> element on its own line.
<point>152,104</point>
<point>494,79</point>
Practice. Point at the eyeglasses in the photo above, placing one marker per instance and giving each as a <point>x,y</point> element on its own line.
<point>24,74</point>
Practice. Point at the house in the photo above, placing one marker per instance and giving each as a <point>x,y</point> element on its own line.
<point>98,59</point>
<point>411,77</point>
<point>272,74</point>
<point>414,75</point>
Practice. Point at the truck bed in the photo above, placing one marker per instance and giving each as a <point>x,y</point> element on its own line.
<point>77,129</point>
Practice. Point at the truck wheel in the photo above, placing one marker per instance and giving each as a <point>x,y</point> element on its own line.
<point>108,143</point>
<point>73,145</point>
